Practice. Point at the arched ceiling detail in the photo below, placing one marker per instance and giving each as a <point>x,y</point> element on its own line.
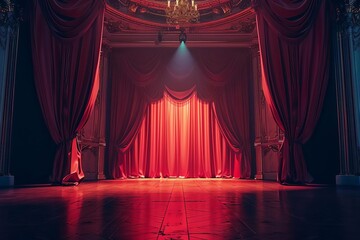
<point>141,22</point>
<point>154,10</point>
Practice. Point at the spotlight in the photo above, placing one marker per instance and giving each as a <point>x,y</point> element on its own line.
<point>182,37</point>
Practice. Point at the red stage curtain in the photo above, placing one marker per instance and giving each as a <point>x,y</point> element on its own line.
<point>232,110</point>
<point>66,39</point>
<point>133,86</point>
<point>226,81</point>
<point>218,67</point>
<point>141,77</point>
<point>180,139</point>
<point>127,111</point>
<point>294,43</point>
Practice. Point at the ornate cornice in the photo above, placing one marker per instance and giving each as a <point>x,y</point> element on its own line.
<point>348,14</point>
<point>244,26</point>
<point>126,29</point>
<point>11,14</point>
<point>348,20</point>
<point>155,10</point>
<point>115,26</point>
<point>118,22</point>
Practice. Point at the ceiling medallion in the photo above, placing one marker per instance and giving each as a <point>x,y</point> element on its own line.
<point>182,12</point>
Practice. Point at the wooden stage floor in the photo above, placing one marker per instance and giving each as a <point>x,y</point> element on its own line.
<point>180,209</point>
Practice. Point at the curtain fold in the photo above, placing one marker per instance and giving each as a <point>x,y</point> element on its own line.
<point>294,44</point>
<point>66,40</point>
<point>232,109</point>
<point>128,105</point>
<point>69,20</point>
<point>217,68</point>
<point>291,19</point>
<point>145,69</point>
<point>163,144</point>
<point>180,139</point>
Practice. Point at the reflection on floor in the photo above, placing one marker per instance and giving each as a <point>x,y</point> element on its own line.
<point>180,209</point>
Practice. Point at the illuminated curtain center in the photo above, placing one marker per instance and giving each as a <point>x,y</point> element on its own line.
<point>165,109</point>
<point>179,139</point>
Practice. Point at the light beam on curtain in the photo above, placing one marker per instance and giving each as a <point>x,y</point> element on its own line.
<point>180,138</point>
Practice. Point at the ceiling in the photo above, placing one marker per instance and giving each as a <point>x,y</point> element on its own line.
<point>142,23</point>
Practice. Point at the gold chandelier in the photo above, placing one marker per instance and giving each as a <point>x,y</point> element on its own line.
<point>182,12</point>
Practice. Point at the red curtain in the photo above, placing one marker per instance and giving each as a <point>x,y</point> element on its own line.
<point>66,39</point>
<point>294,43</point>
<point>180,134</point>
<point>127,111</point>
<point>180,138</point>
<point>231,108</point>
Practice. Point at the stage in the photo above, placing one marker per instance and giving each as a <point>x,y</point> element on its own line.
<point>179,209</point>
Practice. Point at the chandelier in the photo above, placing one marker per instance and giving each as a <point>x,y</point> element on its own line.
<point>182,12</point>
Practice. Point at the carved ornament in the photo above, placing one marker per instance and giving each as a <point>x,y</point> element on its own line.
<point>113,26</point>
<point>244,26</point>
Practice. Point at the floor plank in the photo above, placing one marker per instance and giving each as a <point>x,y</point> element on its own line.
<point>180,209</point>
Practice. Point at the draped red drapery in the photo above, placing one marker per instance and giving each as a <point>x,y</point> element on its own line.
<point>165,122</point>
<point>294,44</point>
<point>66,39</point>
<point>180,139</point>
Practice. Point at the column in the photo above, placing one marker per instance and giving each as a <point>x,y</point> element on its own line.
<point>258,105</point>
<point>92,139</point>
<point>346,52</point>
<point>268,137</point>
<point>8,55</point>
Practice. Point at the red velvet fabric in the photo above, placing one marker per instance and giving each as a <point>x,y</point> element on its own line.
<point>294,43</point>
<point>128,106</point>
<point>179,139</point>
<point>232,108</point>
<point>66,39</point>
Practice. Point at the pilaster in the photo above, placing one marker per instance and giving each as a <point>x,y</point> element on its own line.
<point>9,32</point>
<point>268,137</point>
<point>92,137</point>
<point>346,51</point>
